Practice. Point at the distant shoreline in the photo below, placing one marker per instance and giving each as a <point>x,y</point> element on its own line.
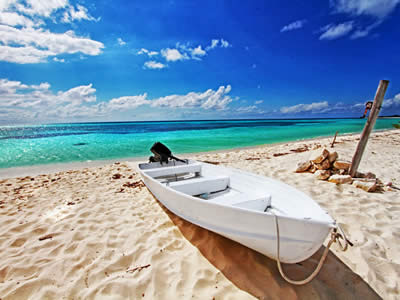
<point>59,167</point>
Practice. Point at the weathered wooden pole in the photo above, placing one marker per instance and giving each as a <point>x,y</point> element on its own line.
<point>334,139</point>
<point>369,125</point>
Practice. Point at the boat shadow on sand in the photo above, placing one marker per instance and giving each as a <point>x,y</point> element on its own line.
<point>258,275</point>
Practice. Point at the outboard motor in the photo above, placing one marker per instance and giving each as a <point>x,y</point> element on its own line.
<point>162,154</point>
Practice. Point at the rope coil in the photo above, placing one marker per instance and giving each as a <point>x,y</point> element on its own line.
<point>335,237</point>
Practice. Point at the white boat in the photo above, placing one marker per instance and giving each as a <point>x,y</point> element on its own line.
<point>241,206</point>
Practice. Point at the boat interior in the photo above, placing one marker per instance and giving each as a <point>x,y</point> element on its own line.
<point>188,178</point>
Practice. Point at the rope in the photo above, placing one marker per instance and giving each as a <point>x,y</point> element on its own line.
<point>334,237</point>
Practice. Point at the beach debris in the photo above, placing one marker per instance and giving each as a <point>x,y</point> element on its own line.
<point>46,237</point>
<point>211,162</point>
<point>280,154</point>
<point>313,169</point>
<point>341,164</point>
<point>253,158</point>
<point>327,166</point>
<point>322,174</point>
<point>300,149</point>
<point>367,186</point>
<point>140,268</point>
<point>340,179</point>
<point>116,176</point>
<point>135,184</point>
<point>324,165</point>
<point>332,157</point>
<point>303,166</point>
<point>334,139</point>
<point>322,157</point>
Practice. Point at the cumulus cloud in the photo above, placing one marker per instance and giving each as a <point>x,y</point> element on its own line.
<point>375,8</point>
<point>392,102</point>
<point>294,25</point>
<point>258,102</point>
<point>313,107</point>
<point>183,52</point>
<point>198,51</point>
<point>40,102</point>
<point>147,52</point>
<point>172,54</point>
<point>128,102</point>
<point>154,65</point>
<point>24,38</point>
<point>209,99</point>
<point>331,31</point>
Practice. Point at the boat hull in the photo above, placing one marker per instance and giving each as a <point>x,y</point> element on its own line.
<point>299,238</point>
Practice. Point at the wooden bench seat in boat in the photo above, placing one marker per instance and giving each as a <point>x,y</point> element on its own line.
<point>202,185</point>
<point>174,170</point>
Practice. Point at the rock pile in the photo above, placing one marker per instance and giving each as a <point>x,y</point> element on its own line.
<point>328,166</point>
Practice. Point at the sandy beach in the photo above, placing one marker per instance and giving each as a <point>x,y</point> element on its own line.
<point>97,233</point>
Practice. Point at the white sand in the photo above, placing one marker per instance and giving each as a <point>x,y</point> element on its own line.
<point>82,234</point>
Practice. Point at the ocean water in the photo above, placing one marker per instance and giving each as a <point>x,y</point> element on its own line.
<point>59,143</point>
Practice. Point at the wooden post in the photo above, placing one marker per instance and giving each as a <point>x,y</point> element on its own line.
<point>369,125</point>
<point>334,139</point>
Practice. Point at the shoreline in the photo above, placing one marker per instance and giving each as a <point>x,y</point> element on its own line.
<point>60,167</point>
<point>40,169</point>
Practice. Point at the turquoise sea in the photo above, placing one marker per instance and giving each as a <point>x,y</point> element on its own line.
<point>59,143</point>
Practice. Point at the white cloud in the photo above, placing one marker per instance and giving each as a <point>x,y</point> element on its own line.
<point>214,43</point>
<point>225,44</point>
<point>395,101</point>
<point>121,42</point>
<point>294,25</point>
<point>59,59</point>
<point>81,13</point>
<point>147,52</point>
<point>258,102</point>
<point>198,51</point>
<point>210,99</point>
<point>247,109</point>
<point>375,8</point>
<point>29,45</point>
<point>29,102</point>
<point>378,9</point>
<point>313,107</point>
<point>331,31</point>
<point>40,7</point>
<point>24,38</point>
<point>172,54</point>
<point>154,65</point>
<point>15,19</point>
<point>128,102</point>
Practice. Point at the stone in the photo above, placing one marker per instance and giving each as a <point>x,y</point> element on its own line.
<point>341,164</point>
<point>339,179</point>
<point>324,165</point>
<point>304,166</point>
<point>365,185</point>
<point>343,172</point>
<point>332,157</point>
<point>312,169</point>
<point>322,157</point>
<point>322,174</point>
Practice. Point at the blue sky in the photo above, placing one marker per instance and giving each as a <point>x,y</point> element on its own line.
<point>76,61</point>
